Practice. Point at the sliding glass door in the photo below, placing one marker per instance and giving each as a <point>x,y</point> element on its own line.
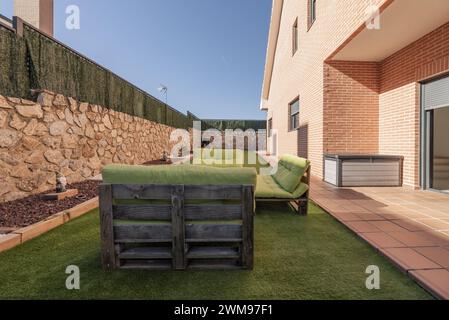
<point>435,135</point>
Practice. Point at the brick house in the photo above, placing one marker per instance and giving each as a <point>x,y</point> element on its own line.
<point>340,78</point>
<point>38,13</point>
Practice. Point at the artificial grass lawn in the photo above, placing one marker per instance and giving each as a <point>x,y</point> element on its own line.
<point>296,257</point>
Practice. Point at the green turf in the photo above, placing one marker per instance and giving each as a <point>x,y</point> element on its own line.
<point>296,257</point>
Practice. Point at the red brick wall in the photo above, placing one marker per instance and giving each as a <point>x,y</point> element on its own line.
<point>302,74</point>
<point>399,106</point>
<point>375,107</point>
<point>351,107</point>
<point>420,60</point>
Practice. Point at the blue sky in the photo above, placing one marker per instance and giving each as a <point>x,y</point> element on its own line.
<point>210,53</point>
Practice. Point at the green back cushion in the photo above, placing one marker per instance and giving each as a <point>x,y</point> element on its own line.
<point>290,170</point>
<point>220,156</point>
<point>180,174</point>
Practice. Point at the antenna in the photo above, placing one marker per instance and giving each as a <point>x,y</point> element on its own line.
<point>164,90</point>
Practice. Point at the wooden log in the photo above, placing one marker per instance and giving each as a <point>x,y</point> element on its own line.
<point>106,225</point>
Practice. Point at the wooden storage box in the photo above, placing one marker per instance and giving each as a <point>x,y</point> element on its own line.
<point>363,170</point>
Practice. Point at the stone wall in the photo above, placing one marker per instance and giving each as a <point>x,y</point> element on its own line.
<point>59,134</point>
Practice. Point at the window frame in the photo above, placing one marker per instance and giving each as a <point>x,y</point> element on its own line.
<point>269,127</point>
<point>296,114</point>
<point>312,13</point>
<point>295,37</point>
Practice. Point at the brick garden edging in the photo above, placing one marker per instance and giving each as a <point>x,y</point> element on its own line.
<point>23,235</point>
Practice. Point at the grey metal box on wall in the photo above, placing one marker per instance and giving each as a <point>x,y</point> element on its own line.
<point>363,170</point>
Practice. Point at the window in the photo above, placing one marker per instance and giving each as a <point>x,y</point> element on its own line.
<point>295,37</point>
<point>270,126</point>
<point>312,12</point>
<point>294,115</point>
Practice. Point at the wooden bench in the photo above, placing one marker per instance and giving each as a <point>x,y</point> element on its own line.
<point>195,227</point>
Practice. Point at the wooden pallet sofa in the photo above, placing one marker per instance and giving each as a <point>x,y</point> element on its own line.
<point>290,183</point>
<point>177,217</point>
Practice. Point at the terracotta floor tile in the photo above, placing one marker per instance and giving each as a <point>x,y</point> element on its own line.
<point>436,254</point>
<point>408,259</point>
<point>385,218</point>
<point>348,209</point>
<point>413,215</point>
<point>390,216</point>
<point>435,224</point>
<point>440,214</point>
<point>436,281</point>
<point>438,238</point>
<point>381,240</point>
<point>369,216</point>
<point>412,239</point>
<point>362,226</point>
<point>387,226</point>
<point>346,216</point>
<point>410,225</point>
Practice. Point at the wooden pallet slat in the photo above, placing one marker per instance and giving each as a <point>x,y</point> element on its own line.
<point>213,212</point>
<point>146,253</point>
<point>106,228</point>
<point>214,240</point>
<point>248,230</point>
<point>142,212</point>
<point>178,233</point>
<point>147,264</point>
<point>143,231</point>
<point>141,192</point>
<point>199,192</point>
<point>173,235</point>
<point>213,231</point>
<point>213,253</point>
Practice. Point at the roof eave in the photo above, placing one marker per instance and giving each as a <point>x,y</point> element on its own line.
<point>273,36</point>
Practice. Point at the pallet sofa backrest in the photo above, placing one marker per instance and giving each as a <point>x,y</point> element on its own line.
<point>176,226</point>
<point>290,172</point>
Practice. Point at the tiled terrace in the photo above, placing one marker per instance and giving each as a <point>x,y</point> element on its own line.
<point>409,227</point>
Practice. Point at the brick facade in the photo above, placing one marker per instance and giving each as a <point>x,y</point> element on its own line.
<point>350,106</point>
<point>302,74</point>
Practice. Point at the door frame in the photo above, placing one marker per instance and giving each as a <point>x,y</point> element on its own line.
<point>426,139</point>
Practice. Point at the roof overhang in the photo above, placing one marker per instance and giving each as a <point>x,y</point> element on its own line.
<point>275,24</point>
<point>402,22</point>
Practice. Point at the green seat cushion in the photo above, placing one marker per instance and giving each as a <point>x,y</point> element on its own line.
<point>180,174</point>
<point>267,188</point>
<point>220,157</point>
<point>290,171</point>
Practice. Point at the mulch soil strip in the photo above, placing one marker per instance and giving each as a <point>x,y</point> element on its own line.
<point>24,212</point>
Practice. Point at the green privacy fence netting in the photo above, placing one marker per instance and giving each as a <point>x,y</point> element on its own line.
<point>223,125</point>
<point>35,61</point>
